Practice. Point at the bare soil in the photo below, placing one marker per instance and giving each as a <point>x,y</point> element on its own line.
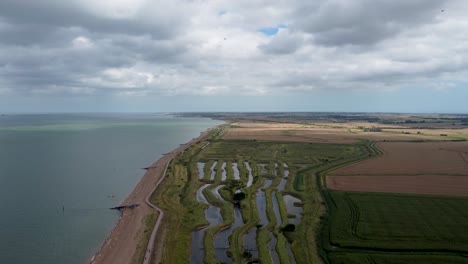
<point>410,158</point>
<point>423,184</point>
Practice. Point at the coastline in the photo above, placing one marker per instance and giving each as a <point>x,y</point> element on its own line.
<point>120,245</point>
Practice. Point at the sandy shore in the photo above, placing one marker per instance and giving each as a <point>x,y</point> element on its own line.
<point>121,244</point>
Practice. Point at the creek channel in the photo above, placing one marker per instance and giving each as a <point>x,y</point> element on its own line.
<point>221,241</point>
<point>213,216</point>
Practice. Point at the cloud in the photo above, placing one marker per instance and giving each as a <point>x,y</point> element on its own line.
<point>181,47</point>
<point>284,42</point>
<point>363,22</point>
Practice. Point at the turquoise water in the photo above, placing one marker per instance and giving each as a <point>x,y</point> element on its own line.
<point>58,174</point>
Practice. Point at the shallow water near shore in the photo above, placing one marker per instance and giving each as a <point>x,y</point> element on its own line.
<point>59,174</point>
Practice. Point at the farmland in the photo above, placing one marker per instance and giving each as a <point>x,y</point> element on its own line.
<point>412,158</point>
<point>322,132</point>
<point>407,205</point>
<point>365,223</point>
<point>416,184</point>
<point>352,194</point>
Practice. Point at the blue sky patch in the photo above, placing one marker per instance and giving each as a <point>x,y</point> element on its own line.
<point>271,31</point>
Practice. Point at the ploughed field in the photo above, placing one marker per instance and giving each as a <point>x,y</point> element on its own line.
<point>415,184</point>
<point>408,205</point>
<point>411,158</point>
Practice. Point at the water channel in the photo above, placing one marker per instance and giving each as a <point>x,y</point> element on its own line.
<point>221,240</point>
<point>292,209</point>
<point>213,172</point>
<point>213,216</point>
<point>250,180</point>
<point>236,171</point>
<point>223,172</point>
<point>200,167</point>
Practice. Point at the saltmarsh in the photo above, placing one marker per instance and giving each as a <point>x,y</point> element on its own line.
<point>221,158</point>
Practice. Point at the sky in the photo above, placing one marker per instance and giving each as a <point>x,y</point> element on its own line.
<point>242,55</point>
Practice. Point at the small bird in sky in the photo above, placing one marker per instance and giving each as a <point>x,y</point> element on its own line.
<point>443,10</point>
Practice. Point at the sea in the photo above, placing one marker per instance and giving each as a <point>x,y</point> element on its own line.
<point>60,174</point>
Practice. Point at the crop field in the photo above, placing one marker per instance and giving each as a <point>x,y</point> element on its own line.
<point>399,207</point>
<point>392,223</point>
<point>411,158</point>
<point>293,134</point>
<point>328,132</point>
<point>417,184</point>
<point>396,258</point>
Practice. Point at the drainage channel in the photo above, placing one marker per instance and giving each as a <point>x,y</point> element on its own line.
<point>292,209</point>
<point>250,243</point>
<point>250,180</point>
<point>213,216</point>
<point>284,179</point>
<point>223,172</point>
<point>200,167</point>
<point>221,240</point>
<point>261,208</point>
<point>273,240</point>
<point>236,171</point>
<point>213,172</point>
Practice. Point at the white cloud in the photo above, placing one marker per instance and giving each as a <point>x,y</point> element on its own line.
<point>82,43</point>
<point>213,47</point>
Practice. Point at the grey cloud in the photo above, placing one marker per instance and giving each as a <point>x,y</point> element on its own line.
<point>36,44</point>
<point>283,43</point>
<point>178,46</point>
<point>363,22</point>
<point>66,14</point>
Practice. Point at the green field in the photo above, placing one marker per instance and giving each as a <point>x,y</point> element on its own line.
<point>396,258</point>
<point>434,229</point>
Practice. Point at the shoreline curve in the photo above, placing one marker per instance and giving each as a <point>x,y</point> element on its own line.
<point>121,244</point>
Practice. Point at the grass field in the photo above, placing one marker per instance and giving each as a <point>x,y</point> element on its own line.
<point>433,226</point>
<point>397,258</point>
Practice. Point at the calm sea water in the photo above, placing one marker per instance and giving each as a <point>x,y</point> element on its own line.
<point>75,162</point>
